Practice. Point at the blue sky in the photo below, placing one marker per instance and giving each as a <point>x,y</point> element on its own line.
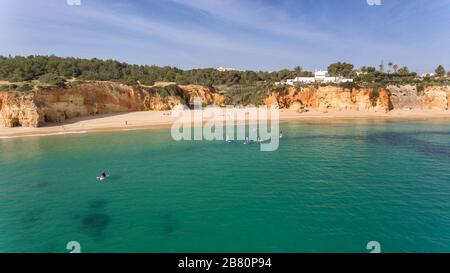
<point>245,34</point>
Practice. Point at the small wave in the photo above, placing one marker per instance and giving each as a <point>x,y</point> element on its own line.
<point>134,129</point>
<point>45,134</point>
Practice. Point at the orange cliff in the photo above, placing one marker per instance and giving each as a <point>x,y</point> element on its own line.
<point>331,97</point>
<point>381,100</point>
<point>57,104</point>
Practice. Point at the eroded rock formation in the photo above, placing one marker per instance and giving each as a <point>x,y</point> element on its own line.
<point>373,99</point>
<point>89,98</point>
<point>332,97</point>
<point>57,104</point>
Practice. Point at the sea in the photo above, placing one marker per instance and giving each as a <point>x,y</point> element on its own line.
<point>338,186</point>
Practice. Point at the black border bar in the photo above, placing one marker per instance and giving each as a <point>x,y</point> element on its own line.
<point>155,262</point>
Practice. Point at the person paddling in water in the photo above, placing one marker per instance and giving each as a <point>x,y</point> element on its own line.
<point>102,176</point>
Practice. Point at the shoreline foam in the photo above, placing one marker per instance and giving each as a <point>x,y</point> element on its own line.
<point>144,120</point>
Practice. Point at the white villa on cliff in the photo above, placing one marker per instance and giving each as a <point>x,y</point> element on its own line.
<point>320,76</point>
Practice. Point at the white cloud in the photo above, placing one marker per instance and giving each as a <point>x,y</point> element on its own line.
<point>256,15</point>
<point>188,33</point>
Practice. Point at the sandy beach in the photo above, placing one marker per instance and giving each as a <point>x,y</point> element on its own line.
<point>163,119</point>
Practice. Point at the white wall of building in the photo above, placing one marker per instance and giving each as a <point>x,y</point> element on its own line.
<point>319,76</point>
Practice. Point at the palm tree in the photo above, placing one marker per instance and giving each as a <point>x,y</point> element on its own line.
<point>395,66</point>
<point>298,70</point>
<point>381,66</point>
<point>390,66</point>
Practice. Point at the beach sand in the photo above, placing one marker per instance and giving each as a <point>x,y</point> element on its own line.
<point>163,119</point>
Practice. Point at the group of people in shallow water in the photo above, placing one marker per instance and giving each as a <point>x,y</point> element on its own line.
<point>104,174</point>
<point>249,141</point>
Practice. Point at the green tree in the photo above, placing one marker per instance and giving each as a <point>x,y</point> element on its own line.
<point>26,87</point>
<point>389,67</point>
<point>404,71</point>
<point>298,70</point>
<point>340,69</point>
<point>52,79</point>
<point>440,71</point>
<point>367,69</point>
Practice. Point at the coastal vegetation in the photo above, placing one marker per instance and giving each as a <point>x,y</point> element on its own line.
<point>239,87</point>
<point>52,69</point>
<point>168,90</point>
<point>248,94</point>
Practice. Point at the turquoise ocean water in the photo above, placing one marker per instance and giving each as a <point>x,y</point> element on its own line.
<point>330,187</point>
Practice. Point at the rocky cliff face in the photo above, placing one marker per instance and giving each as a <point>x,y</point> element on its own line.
<point>405,97</point>
<point>207,94</point>
<point>18,109</point>
<point>89,98</point>
<point>332,97</point>
<point>430,97</point>
<point>437,97</point>
<point>372,99</point>
<point>82,99</point>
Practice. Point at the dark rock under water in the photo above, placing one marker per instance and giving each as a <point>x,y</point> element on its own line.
<point>169,224</point>
<point>98,204</point>
<point>95,224</point>
<point>31,216</point>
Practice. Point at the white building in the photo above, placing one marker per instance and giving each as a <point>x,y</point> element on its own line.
<point>222,69</point>
<point>427,75</point>
<point>320,76</point>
